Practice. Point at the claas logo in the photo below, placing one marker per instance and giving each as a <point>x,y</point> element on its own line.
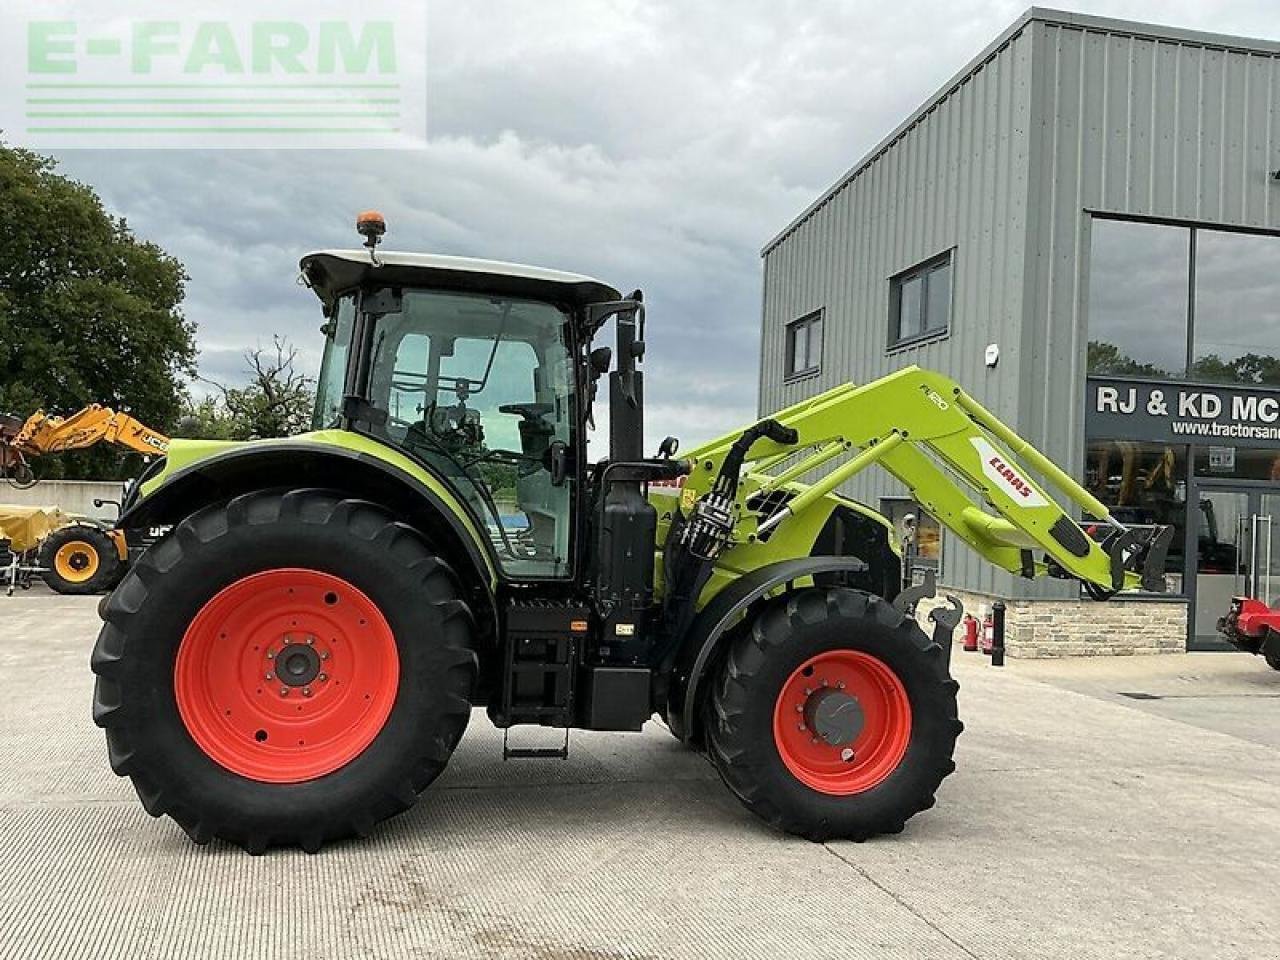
<point>1009,474</point>
<point>997,469</point>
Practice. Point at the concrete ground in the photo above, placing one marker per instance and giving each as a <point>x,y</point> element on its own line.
<point>1081,823</point>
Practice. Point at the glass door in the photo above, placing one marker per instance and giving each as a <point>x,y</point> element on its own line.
<point>1236,553</point>
<point>1264,533</point>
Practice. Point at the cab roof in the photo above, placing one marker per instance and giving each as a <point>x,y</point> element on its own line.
<point>331,273</point>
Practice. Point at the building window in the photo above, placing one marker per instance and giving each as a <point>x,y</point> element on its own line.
<point>920,301</point>
<point>1168,302</point>
<point>804,345</point>
<point>1138,298</point>
<point>1236,320</point>
<point>925,552</point>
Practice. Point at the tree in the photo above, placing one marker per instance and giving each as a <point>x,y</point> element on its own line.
<point>277,402</point>
<point>1248,368</point>
<point>205,419</point>
<point>88,312</point>
<point>1104,358</point>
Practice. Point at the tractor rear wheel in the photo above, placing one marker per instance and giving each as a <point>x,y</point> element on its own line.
<point>833,716</point>
<point>80,558</point>
<point>285,669</point>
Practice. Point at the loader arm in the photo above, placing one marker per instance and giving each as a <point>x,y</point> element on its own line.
<point>962,465</point>
<point>42,434</point>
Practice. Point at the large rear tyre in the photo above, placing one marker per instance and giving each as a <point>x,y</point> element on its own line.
<point>833,716</point>
<point>286,669</point>
<point>80,559</point>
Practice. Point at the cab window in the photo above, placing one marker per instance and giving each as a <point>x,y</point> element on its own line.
<point>481,389</point>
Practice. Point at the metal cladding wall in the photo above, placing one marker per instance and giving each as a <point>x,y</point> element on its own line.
<point>1063,116</point>
<point>953,176</point>
<point>1135,121</point>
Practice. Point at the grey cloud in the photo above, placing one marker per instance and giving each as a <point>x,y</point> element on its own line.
<point>656,144</point>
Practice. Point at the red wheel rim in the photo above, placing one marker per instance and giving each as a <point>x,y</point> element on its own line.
<point>880,743</point>
<point>286,675</point>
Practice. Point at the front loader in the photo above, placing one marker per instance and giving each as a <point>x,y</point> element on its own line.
<point>297,658</point>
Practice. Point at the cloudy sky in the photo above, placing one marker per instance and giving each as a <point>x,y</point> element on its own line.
<point>651,143</point>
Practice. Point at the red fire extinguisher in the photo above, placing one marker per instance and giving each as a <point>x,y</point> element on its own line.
<point>988,634</point>
<point>970,633</point>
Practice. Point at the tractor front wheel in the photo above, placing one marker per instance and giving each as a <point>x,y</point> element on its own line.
<point>833,716</point>
<point>286,669</point>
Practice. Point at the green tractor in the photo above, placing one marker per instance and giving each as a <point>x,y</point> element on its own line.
<point>298,656</point>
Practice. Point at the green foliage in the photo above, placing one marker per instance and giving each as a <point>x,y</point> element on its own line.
<point>205,419</point>
<point>1106,358</point>
<point>88,312</point>
<point>1252,368</point>
<point>276,402</point>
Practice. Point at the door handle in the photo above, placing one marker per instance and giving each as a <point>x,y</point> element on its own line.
<point>1265,573</point>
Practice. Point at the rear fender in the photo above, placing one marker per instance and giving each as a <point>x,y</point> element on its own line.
<point>420,501</point>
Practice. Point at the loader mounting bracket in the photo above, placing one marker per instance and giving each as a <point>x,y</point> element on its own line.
<point>1140,552</point>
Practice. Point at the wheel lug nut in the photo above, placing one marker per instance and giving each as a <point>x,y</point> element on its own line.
<point>846,755</point>
<point>284,691</point>
<point>840,685</point>
<point>324,656</point>
<point>271,654</point>
<point>801,727</point>
<point>323,677</point>
<point>799,708</point>
<point>271,676</point>
<point>311,641</point>
<point>824,683</point>
<point>306,691</point>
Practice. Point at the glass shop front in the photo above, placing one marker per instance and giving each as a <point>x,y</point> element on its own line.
<point>1182,421</point>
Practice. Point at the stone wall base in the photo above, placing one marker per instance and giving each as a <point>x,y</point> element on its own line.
<point>1037,629</point>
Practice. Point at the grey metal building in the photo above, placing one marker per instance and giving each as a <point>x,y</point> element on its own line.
<point>1099,200</point>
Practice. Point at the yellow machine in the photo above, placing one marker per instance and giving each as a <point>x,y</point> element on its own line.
<point>82,556</point>
<point>22,529</point>
<point>41,434</point>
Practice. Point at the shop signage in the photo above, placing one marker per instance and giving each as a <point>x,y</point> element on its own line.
<point>1171,412</point>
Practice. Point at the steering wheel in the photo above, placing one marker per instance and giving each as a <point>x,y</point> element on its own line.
<point>533,412</point>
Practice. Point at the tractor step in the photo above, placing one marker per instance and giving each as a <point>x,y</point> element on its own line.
<point>534,753</point>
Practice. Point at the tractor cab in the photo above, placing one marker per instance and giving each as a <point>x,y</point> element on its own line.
<point>479,370</point>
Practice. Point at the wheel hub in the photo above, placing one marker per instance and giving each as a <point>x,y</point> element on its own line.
<point>834,716</point>
<point>298,664</point>
<point>76,561</point>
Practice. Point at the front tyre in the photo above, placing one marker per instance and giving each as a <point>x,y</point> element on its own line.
<point>286,669</point>
<point>833,716</point>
